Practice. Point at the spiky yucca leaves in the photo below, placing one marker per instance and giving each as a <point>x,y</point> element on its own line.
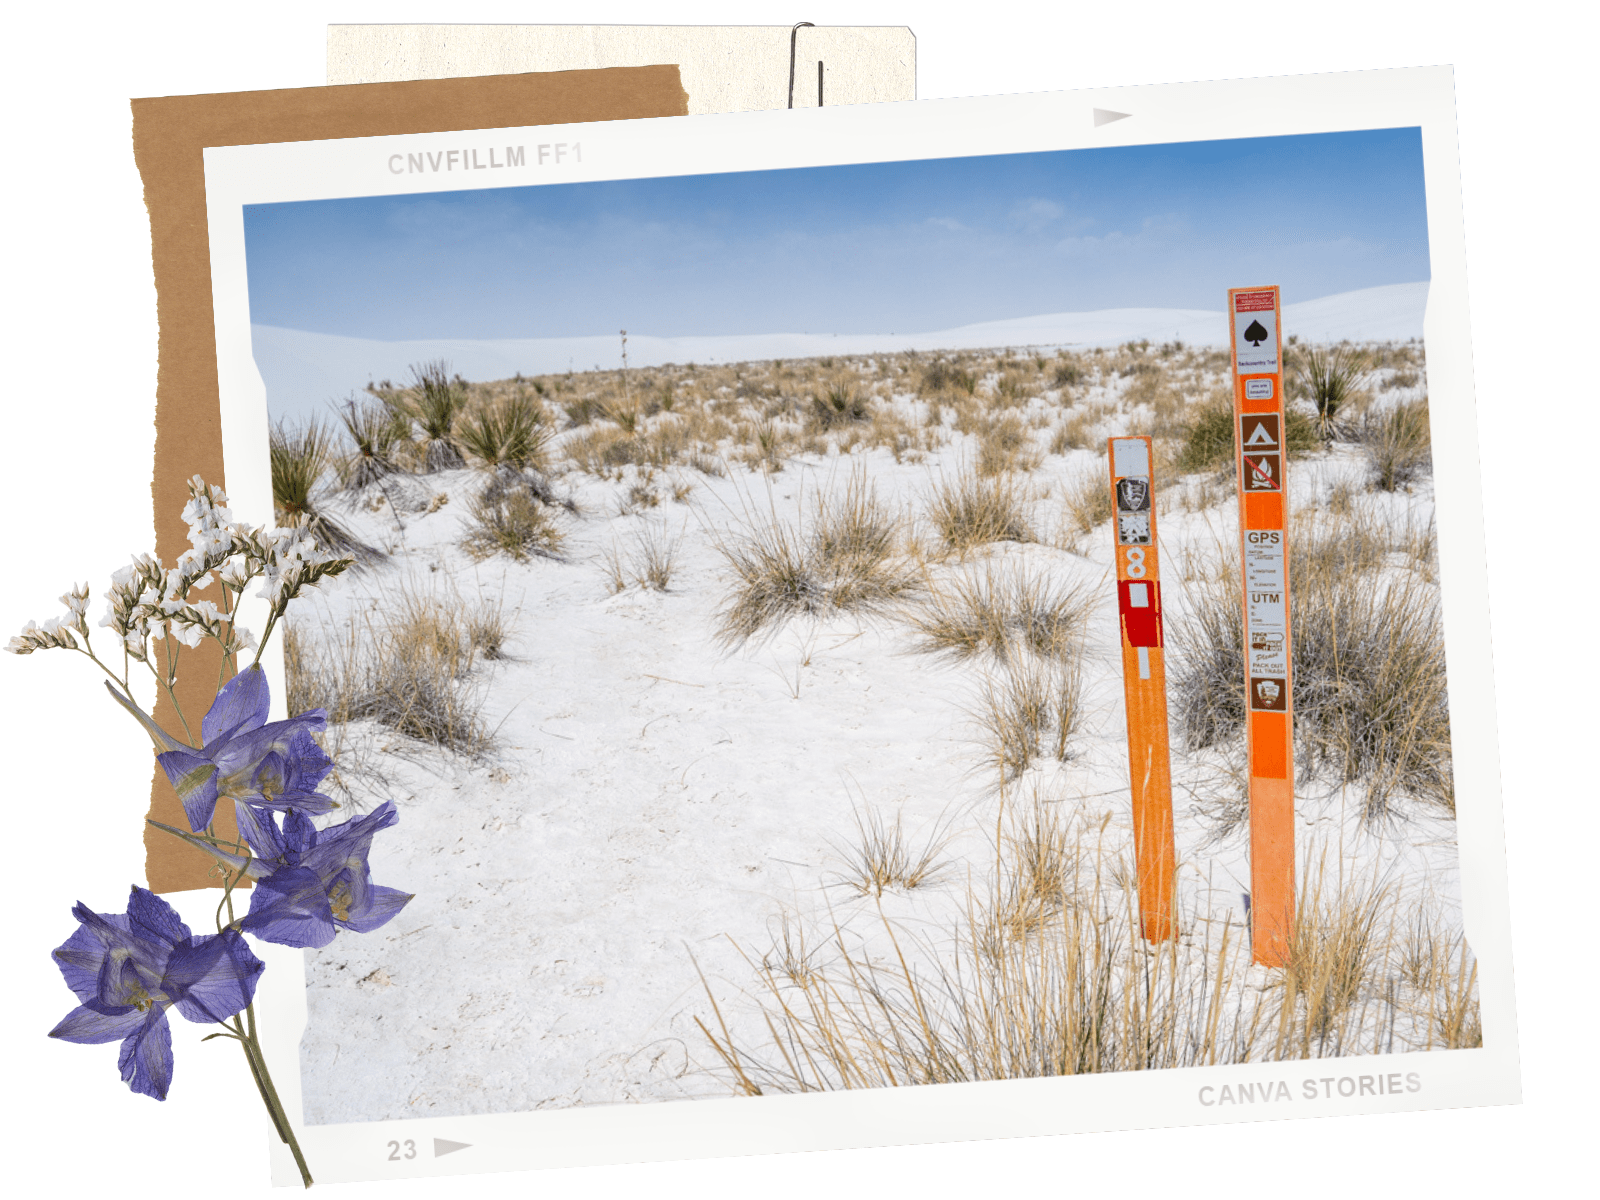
<point>1329,377</point>
<point>435,403</point>
<point>839,404</point>
<point>373,430</point>
<point>299,455</point>
<point>511,433</point>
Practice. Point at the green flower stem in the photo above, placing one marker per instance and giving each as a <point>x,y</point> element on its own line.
<point>269,1094</point>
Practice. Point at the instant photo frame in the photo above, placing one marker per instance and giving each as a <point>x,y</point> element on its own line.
<point>238,177</point>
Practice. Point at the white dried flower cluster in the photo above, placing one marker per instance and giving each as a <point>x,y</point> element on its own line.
<point>56,633</point>
<point>147,601</point>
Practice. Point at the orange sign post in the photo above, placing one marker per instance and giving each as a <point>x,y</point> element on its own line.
<point>1144,680</point>
<point>1259,433</point>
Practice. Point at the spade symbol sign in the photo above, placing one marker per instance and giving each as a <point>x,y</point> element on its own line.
<point>1255,333</point>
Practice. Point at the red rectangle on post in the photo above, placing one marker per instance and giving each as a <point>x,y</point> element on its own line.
<point>1252,302</point>
<point>1139,603</point>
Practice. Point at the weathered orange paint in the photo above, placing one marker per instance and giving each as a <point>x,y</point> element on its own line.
<point>1144,689</point>
<point>1270,733</point>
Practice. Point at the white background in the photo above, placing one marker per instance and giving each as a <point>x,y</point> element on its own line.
<point>79,330</point>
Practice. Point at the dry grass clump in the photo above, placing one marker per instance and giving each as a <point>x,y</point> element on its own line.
<point>1005,445</point>
<point>1005,611</point>
<point>650,564</point>
<point>409,668</point>
<point>1080,431</point>
<point>883,858</point>
<point>1369,685</point>
<point>970,511</point>
<point>1397,445</point>
<point>1088,503</point>
<point>511,522</point>
<point>845,562</point>
<point>1027,709</point>
<point>1335,946</point>
<point>1047,975</point>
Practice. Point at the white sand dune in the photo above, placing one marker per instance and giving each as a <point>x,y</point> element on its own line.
<point>303,371</point>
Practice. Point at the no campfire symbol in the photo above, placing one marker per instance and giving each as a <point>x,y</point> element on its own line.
<point>1133,494</point>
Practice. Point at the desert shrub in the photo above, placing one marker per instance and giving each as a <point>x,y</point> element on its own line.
<point>884,858</point>
<point>970,511</point>
<point>1088,502</point>
<point>1368,668</point>
<point>1005,445</point>
<point>651,562</point>
<point>1336,943</point>
<point>1329,378</point>
<point>844,562</point>
<point>1027,708</point>
<point>943,375</point>
<point>1005,612</point>
<point>1080,431</point>
<point>1032,983</point>
<point>1208,436</point>
<point>839,404</point>
<point>407,666</point>
<point>513,523</point>
<point>1397,445</point>
<point>1070,372</point>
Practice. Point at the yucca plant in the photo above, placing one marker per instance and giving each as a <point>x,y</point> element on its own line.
<point>436,402</point>
<point>1329,377</point>
<point>373,431</point>
<point>511,434</point>
<point>839,404</point>
<point>298,457</point>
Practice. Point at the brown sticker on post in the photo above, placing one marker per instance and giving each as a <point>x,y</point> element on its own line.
<point>170,134</point>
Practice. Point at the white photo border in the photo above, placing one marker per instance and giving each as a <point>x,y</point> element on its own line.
<point>1416,97</point>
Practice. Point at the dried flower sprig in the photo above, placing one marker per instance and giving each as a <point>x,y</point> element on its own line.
<point>127,969</point>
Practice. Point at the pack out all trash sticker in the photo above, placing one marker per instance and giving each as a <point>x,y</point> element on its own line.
<point>1144,680</point>
<point>1255,328</point>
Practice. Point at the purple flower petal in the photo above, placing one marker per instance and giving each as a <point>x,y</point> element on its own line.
<point>194,777</point>
<point>152,918</point>
<point>382,903</point>
<point>158,735</point>
<point>214,976</point>
<point>290,907</point>
<point>241,705</point>
<point>146,1058</point>
<point>91,1026</point>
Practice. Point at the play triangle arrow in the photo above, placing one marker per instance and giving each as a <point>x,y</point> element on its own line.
<point>442,1147</point>
<point>1104,116</point>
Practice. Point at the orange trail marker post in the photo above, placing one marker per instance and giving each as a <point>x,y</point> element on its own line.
<point>1259,437</point>
<point>1144,679</point>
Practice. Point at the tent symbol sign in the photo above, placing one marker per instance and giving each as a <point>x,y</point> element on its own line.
<point>1259,432</point>
<point>1255,333</point>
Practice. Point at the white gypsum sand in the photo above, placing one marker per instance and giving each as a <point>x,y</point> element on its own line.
<point>657,803</point>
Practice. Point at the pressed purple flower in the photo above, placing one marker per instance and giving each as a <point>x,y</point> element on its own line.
<point>128,968</point>
<point>310,883</point>
<point>322,882</point>
<point>244,759</point>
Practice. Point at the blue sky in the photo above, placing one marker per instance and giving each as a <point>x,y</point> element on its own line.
<point>876,248</point>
